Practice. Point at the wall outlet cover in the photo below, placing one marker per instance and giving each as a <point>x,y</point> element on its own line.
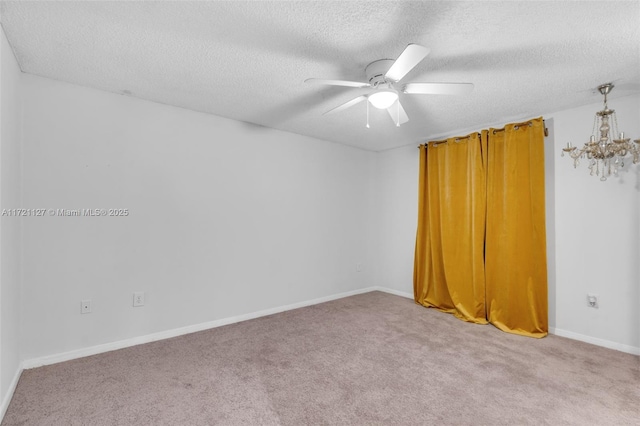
<point>592,300</point>
<point>138,298</point>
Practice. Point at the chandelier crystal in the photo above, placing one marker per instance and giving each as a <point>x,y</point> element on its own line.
<point>605,155</point>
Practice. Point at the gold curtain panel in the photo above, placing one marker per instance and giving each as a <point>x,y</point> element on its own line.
<point>516,253</point>
<point>450,275</point>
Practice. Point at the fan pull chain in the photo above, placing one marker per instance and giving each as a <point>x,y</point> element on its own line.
<point>398,110</point>
<point>367,113</point>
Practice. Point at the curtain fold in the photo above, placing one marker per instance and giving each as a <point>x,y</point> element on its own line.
<point>449,270</point>
<point>481,241</point>
<point>516,259</point>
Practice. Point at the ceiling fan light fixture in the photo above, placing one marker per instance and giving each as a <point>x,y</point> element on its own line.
<point>383,77</point>
<point>383,98</point>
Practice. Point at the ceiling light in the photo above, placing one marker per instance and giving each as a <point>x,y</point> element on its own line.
<point>383,98</point>
<point>605,155</point>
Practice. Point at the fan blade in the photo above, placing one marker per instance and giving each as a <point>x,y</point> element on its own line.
<point>397,113</point>
<point>337,82</point>
<point>409,58</point>
<point>438,88</point>
<point>346,105</point>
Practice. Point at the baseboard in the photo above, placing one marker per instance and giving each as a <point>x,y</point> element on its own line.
<point>595,341</point>
<point>107,347</point>
<point>112,346</point>
<point>10,391</point>
<point>396,292</point>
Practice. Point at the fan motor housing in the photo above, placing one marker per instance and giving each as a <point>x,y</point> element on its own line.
<point>376,70</point>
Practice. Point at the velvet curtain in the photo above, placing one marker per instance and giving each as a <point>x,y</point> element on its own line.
<point>480,245</point>
<point>516,253</point>
<point>452,203</point>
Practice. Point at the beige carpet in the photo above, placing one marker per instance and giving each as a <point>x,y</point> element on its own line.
<point>367,359</point>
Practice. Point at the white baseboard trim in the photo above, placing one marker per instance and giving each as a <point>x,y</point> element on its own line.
<point>12,388</point>
<point>120,344</point>
<point>167,334</point>
<point>595,341</point>
<point>396,292</point>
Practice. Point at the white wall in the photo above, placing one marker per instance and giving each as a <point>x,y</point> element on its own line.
<point>226,218</point>
<point>10,245</point>
<point>597,235</point>
<point>592,231</point>
<point>397,217</point>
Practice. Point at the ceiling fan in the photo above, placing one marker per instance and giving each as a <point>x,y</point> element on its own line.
<point>384,76</point>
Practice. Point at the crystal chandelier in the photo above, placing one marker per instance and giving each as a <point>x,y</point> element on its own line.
<point>606,154</point>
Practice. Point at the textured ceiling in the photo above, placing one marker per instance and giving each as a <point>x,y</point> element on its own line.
<point>248,60</point>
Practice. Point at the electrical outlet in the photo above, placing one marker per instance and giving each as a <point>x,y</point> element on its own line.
<point>358,267</point>
<point>138,298</point>
<point>85,306</point>
<point>592,300</point>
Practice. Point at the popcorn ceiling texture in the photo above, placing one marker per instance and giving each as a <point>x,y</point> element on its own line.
<point>248,60</point>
